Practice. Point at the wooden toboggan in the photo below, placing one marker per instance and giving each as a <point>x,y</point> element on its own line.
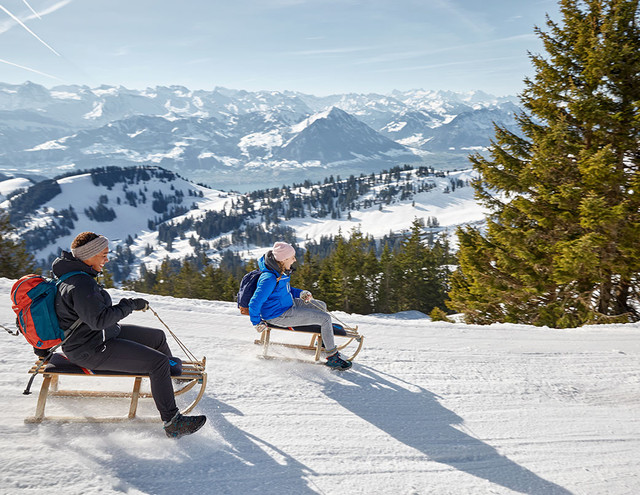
<point>193,378</point>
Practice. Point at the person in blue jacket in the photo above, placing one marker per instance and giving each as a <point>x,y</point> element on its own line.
<point>275,301</point>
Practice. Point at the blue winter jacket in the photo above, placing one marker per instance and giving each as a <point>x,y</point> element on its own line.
<point>272,297</point>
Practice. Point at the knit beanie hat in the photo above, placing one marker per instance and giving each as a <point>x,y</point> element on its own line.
<point>91,248</point>
<point>282,251</point>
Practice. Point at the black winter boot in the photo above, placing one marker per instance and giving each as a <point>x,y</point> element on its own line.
<point>181,425</point>
<point>337,362</point>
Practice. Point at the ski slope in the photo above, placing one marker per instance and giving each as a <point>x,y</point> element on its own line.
<point>428,408</point>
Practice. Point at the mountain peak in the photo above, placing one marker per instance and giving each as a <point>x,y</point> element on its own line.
<point>215,136</point>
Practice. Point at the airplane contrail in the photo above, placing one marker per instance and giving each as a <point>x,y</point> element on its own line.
<point>31,70</point>
<point>29,30</point>
<point>31,8</point>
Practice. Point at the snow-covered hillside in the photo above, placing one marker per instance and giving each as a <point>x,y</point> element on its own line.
<point>428,408</point>
<point>121,204</point>
<point>9,186</point>
<point>131,216</point>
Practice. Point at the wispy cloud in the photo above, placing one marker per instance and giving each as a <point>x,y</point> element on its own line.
<point>333,51</point>
<point>121,51</point>
<point>55,6</point>
<point>408,55</point>
<point>463,16</point>
<point>466,63</point>
<point>30,70</point>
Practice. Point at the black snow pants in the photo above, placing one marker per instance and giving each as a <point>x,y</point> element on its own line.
<point>140,349</point>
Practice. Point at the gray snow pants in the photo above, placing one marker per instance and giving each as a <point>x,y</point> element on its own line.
<point>302,313</point>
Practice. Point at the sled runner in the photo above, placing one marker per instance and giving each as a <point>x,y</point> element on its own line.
<point>344,333</point>
<point>193,376</point>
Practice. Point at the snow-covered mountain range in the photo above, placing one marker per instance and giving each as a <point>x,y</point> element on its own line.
<point>150,213</point>
<point>233,139</point>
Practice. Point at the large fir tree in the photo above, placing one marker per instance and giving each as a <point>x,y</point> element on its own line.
<point>562,246</point>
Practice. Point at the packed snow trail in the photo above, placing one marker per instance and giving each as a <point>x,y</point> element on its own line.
<point>428,408</point>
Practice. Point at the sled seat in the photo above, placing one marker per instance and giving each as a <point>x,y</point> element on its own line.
<point>186,375</point>
<point>351,335</point>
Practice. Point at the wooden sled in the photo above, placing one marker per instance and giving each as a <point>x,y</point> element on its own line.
<point>340,331</point>
<point>193,373</point>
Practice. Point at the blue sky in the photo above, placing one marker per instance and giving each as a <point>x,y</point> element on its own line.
<point>317,47</point>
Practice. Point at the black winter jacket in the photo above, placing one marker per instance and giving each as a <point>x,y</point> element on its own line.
<point>80,296</point>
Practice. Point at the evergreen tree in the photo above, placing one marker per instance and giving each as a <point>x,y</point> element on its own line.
<point>230,288</point>
<point>359,268</point>
<point>145,283</point>
<point>187,282</point>
<point>561,245</point>
<point>386,290</point>
<point>15,261</point>
<point>330,289</point>
<point>307,274</point>
<point>107,279</point>
<point>347,278</point>
<point>420,285</point>
<point>213,283</point>
<point>370,279</point>
<point>165,279</point>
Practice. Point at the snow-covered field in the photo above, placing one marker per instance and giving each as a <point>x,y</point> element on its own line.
<point>428,408</point>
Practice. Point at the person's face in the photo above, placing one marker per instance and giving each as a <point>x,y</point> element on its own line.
<point>99,260</point>
<point>288,262</point>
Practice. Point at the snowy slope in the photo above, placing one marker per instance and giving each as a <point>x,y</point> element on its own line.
<point>131,201</point>
<point>451,207</point>
<point>10,185</point>
<point>429,408</point>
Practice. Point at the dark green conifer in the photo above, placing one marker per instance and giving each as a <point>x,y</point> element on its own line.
<point>307,274</point>
<point>561,245</point>
<point>187,283</point>
<point>15,261</point>
<point>419,283</point>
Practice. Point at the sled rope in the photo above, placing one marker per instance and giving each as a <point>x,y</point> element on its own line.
<point>184,348</point>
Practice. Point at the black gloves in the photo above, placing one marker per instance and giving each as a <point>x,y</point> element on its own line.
<point>139,304</point>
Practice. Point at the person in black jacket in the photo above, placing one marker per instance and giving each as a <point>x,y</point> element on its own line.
<point>101,343</point>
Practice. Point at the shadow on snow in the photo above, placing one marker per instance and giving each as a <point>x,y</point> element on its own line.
<point>245,464</point>
<point>418,420</point>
